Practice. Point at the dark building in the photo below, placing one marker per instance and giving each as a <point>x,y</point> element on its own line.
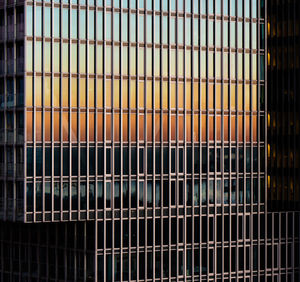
<point>136,141</point>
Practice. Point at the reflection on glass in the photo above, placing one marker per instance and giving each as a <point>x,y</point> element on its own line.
<point>149,127</point>
<point>125,127</point>
<point>47,126</point>
<point>91,127</point>
<point>65,92</point>
<point>133,127</point>
<point>240,128</point>
<point>82,93</point>
<point>157,127</point>
<point>233,133</point>
<point>65,126</point>
<point>38,91</point>
<point>141,127</point>
<point>108,126</point>
<point>56,126</point>
<point>91,93</point>
<point>29,132</point>
<point>82,127</point>
<point>56,92</point>
<point>203,126</point>
<point>38,126</point>
<point>100,127</point>
<point>74,132</point>
<point>99,93</point>
<point>74,92</point>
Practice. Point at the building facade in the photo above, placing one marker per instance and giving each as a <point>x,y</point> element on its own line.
<point>134,143</point>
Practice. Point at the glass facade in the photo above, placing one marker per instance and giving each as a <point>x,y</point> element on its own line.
<point>283,106</point>
<point>144,135</point>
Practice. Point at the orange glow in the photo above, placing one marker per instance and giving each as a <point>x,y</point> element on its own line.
<point>141,95</point>
<point>65,92</point>
<point>56,126</point>
<point>74,93</point>
<point>149,127</point>
<point>226,126</point>
<point>240,128</point>
<point>47,126</point>
<point>203,96</point>
<point>117,93</point>
<point>254,97</point>
<point>218,96</point>
<point>74,132</point>
<point>173,127</point>
<point>82,93</point>
<point>100,93</point>
<point>91,127</point>
<point>56,98</point>
<point>82,127</point>
<point>188,94</point>
<point>157,127</point>
<point>180,95</point>
<point>247,97</point>
<point>232,97</point>
<point>173,95</point>
<point>188,128</point>
<point>211,128</point>
<point>91,93</point>
<point>29,133</point>
<point>165,127</point>
<point>203,127</point>
<point>157,95</point>
<point>125,94</point>
<point>240,97</point>
<point>133,127</point>
<point>117,127</point>
<point>196,128</point>
<point>108,126</point>
<point>29,91</point>
<point>247,129</point>
<point>181,127</point>
<point>100,127</point>
<point>149,95</point>
<point>133,94</point>
<point>233,135</point>
<point>65,126</point>
<point>254,128</point>
<point>108,94</point>
<point>141,127</point>
<point>47,91</point>
<point>165,92</point>
<point>211,96</point>
<point>125,127</point>
<point>38,126</point>
<point>225,97</point>
<point>38,91</point>
<point>218,129</point>
<point>196,95</point>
